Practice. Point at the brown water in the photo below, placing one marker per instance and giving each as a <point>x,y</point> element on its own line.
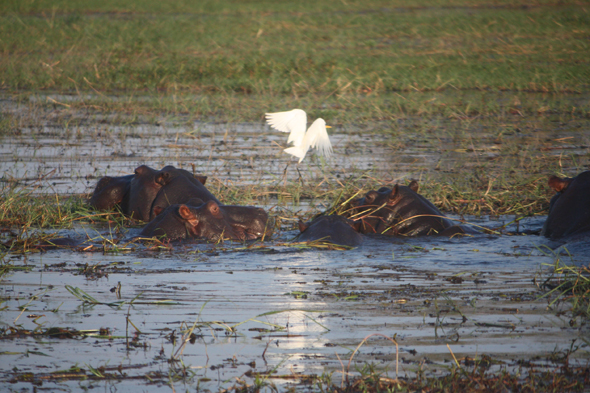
<point>293,311</point>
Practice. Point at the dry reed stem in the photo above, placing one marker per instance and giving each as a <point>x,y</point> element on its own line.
<point>361,344</point>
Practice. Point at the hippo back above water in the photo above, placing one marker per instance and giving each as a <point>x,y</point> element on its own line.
<point>569,209</point>
<point>332,229</point>
<point>401,211</point>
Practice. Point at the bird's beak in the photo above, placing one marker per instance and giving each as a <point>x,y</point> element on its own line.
<point>328,126</point>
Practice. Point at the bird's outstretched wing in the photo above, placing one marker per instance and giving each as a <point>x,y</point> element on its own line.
<point>318,138</point>
<point>294,121</point>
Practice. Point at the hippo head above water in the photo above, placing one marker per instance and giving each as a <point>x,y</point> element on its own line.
<point>178,186</point>
<point>569,209</point>
<point>143,192</point>
<point>401,211</point>
<point>175,223</point>
<point>137,194</point>
<point>110,192</point>
<point>208,221</point>
<point>169,172</point>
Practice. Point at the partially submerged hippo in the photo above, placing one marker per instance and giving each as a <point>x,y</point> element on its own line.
<point>170,172</point>
<point>401,211</point>
<point>111,192</point>
<point>209,221</point>
<point>569,209</point>
<point>142,193</point>
<point>332,229</point>
<point>135,194</point>
<point>176,222</point>
<point>178,186</point>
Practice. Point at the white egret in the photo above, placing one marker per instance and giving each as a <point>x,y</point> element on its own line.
<point>295,122</point>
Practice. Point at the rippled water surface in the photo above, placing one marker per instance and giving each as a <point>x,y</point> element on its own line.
<point>272,308</point>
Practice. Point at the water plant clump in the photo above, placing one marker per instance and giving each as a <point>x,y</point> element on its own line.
<point>570,284</point>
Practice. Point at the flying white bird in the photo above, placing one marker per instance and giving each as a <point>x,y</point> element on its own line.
<point>295,122</point>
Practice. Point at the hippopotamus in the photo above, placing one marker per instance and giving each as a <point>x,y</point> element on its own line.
<point>333,229</point>
<point>169,172</point>
<point>569,209</point>
<point>143,191</point>
<point>178,186</point>
<point>136,194</point>
<point>208,221</point>
<point>175,222</point>
<point>401,211</point>
<point>110,192</point>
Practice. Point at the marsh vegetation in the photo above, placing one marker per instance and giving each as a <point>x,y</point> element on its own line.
<point>479,102</point>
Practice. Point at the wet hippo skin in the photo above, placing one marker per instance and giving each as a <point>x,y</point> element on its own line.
<point>333,229</point>
<point>111,192</point>
<point>178,187</point>
<point>135,194</point>
<point>401,211</point>
<point>174,223</point>
<point>169,172</point>
<point>143,191</point>
<point>569,209</point>
<point>208,221</point>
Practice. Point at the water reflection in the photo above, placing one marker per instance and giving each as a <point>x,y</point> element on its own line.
<point>296,310</point>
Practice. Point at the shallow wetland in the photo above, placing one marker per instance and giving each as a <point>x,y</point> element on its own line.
<point>127,316</point>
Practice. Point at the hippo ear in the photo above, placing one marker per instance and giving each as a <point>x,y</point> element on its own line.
<point>140,170</point>
<point>558,184</point>
<point>414,186</point>
<point>302,226</point>
<point>158,210</point>
<point>201,179</point>
<point>392,195</point>
<point>188,215</point>
<point>185,212</point>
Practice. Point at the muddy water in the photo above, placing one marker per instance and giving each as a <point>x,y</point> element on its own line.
<point>270,308</point>
<point>476,295</point>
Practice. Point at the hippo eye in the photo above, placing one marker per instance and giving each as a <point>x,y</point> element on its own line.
<point>369,198</point>
<point>161,179</point>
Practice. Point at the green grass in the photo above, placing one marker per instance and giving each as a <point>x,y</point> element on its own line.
<point>352,60</point>
<point>569,283</point>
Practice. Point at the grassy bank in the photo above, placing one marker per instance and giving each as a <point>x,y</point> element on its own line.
<point>353,61</point>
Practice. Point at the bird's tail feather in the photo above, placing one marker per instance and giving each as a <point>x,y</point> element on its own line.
<point>297,152</point>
